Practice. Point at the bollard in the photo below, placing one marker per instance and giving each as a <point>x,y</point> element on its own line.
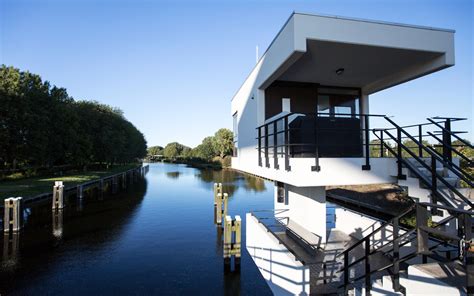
<point>12,214</point>
<point>232,242</point>
<point>221,207</point>
<point>58,195</point>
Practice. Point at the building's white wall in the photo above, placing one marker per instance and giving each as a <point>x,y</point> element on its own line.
<point>307,207</point>
<point>334,171</point>
<point>372,33</point>
<point>283,273</point>
<point>289,46</point>
<point>355,224</point>
<point>421,283</point>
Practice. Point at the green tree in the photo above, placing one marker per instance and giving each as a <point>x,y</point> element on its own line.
<point>155,150</point>
<point>42,126</point>
<point>223,142</point>
<point>173,150</point>
<point>205,150</point>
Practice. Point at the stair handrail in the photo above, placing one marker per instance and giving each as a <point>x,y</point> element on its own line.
<point>422,177</point>
<point>397,260</point>
<point>430,152</point>
<point>451,148</point>
<point>387,223</point>
<point>451,133</point>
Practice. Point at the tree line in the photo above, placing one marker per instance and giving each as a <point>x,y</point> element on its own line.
<point>217,148</point>
<point>42,126</point>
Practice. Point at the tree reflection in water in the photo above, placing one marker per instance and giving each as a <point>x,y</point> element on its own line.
<point>173,175</point>
<point>231,180</point>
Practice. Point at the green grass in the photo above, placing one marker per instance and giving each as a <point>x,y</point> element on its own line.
<point>29,187</point>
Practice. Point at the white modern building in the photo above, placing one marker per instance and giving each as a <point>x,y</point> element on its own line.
<point>301,119</point>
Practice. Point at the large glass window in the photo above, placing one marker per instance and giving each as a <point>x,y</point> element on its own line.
<point>338,102</point>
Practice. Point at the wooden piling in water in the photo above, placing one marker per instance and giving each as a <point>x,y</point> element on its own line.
<point>58,195</point>
<point>12,214</point>
<point>217,190</point>
<point>232,242</point>
<point>221,207</point>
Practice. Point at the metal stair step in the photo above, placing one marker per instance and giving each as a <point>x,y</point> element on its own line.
<point>440,233</point>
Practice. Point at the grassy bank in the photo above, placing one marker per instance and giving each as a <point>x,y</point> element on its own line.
<point>29,187</point>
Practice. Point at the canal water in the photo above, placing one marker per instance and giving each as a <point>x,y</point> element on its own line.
<point>155,237</point>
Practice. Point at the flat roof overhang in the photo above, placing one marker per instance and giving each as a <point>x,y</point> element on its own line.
<point>374,55</point>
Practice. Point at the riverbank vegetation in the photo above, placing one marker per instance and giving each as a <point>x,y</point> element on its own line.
<point>43,130</point>
<point>29,187</point>
<point>214,151</point>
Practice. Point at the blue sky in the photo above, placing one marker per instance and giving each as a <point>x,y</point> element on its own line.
<point>173,66</point>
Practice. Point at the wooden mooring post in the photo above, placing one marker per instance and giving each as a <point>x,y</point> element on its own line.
<point>221,207</point>
<point>217,190</point>
<point>58,195</point>
<point>12,214</point>
<point>232,242</point>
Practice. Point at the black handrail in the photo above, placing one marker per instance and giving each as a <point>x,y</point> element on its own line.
<point>423,177</point>
<point>389,222</point>
<point>432,154</point>
<point>396,244</point>
<point>470,162</point>
<point>450,132</point>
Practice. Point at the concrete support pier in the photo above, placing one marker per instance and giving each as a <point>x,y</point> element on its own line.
<point>58,195</point>
<point>12,214</point>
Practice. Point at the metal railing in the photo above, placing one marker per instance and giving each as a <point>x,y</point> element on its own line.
<point>422,233</point>
<point>431,180</point>
<point>282,137</point>
<point>349,136</point>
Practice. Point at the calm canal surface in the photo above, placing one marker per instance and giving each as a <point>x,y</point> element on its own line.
<point>156,237</point>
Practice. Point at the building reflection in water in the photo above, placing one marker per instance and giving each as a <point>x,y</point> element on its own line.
<point>11,243</point>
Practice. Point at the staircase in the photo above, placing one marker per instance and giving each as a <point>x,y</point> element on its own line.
<point>439,239</point>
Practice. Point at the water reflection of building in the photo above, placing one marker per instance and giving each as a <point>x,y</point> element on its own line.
<point>301,119</point>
